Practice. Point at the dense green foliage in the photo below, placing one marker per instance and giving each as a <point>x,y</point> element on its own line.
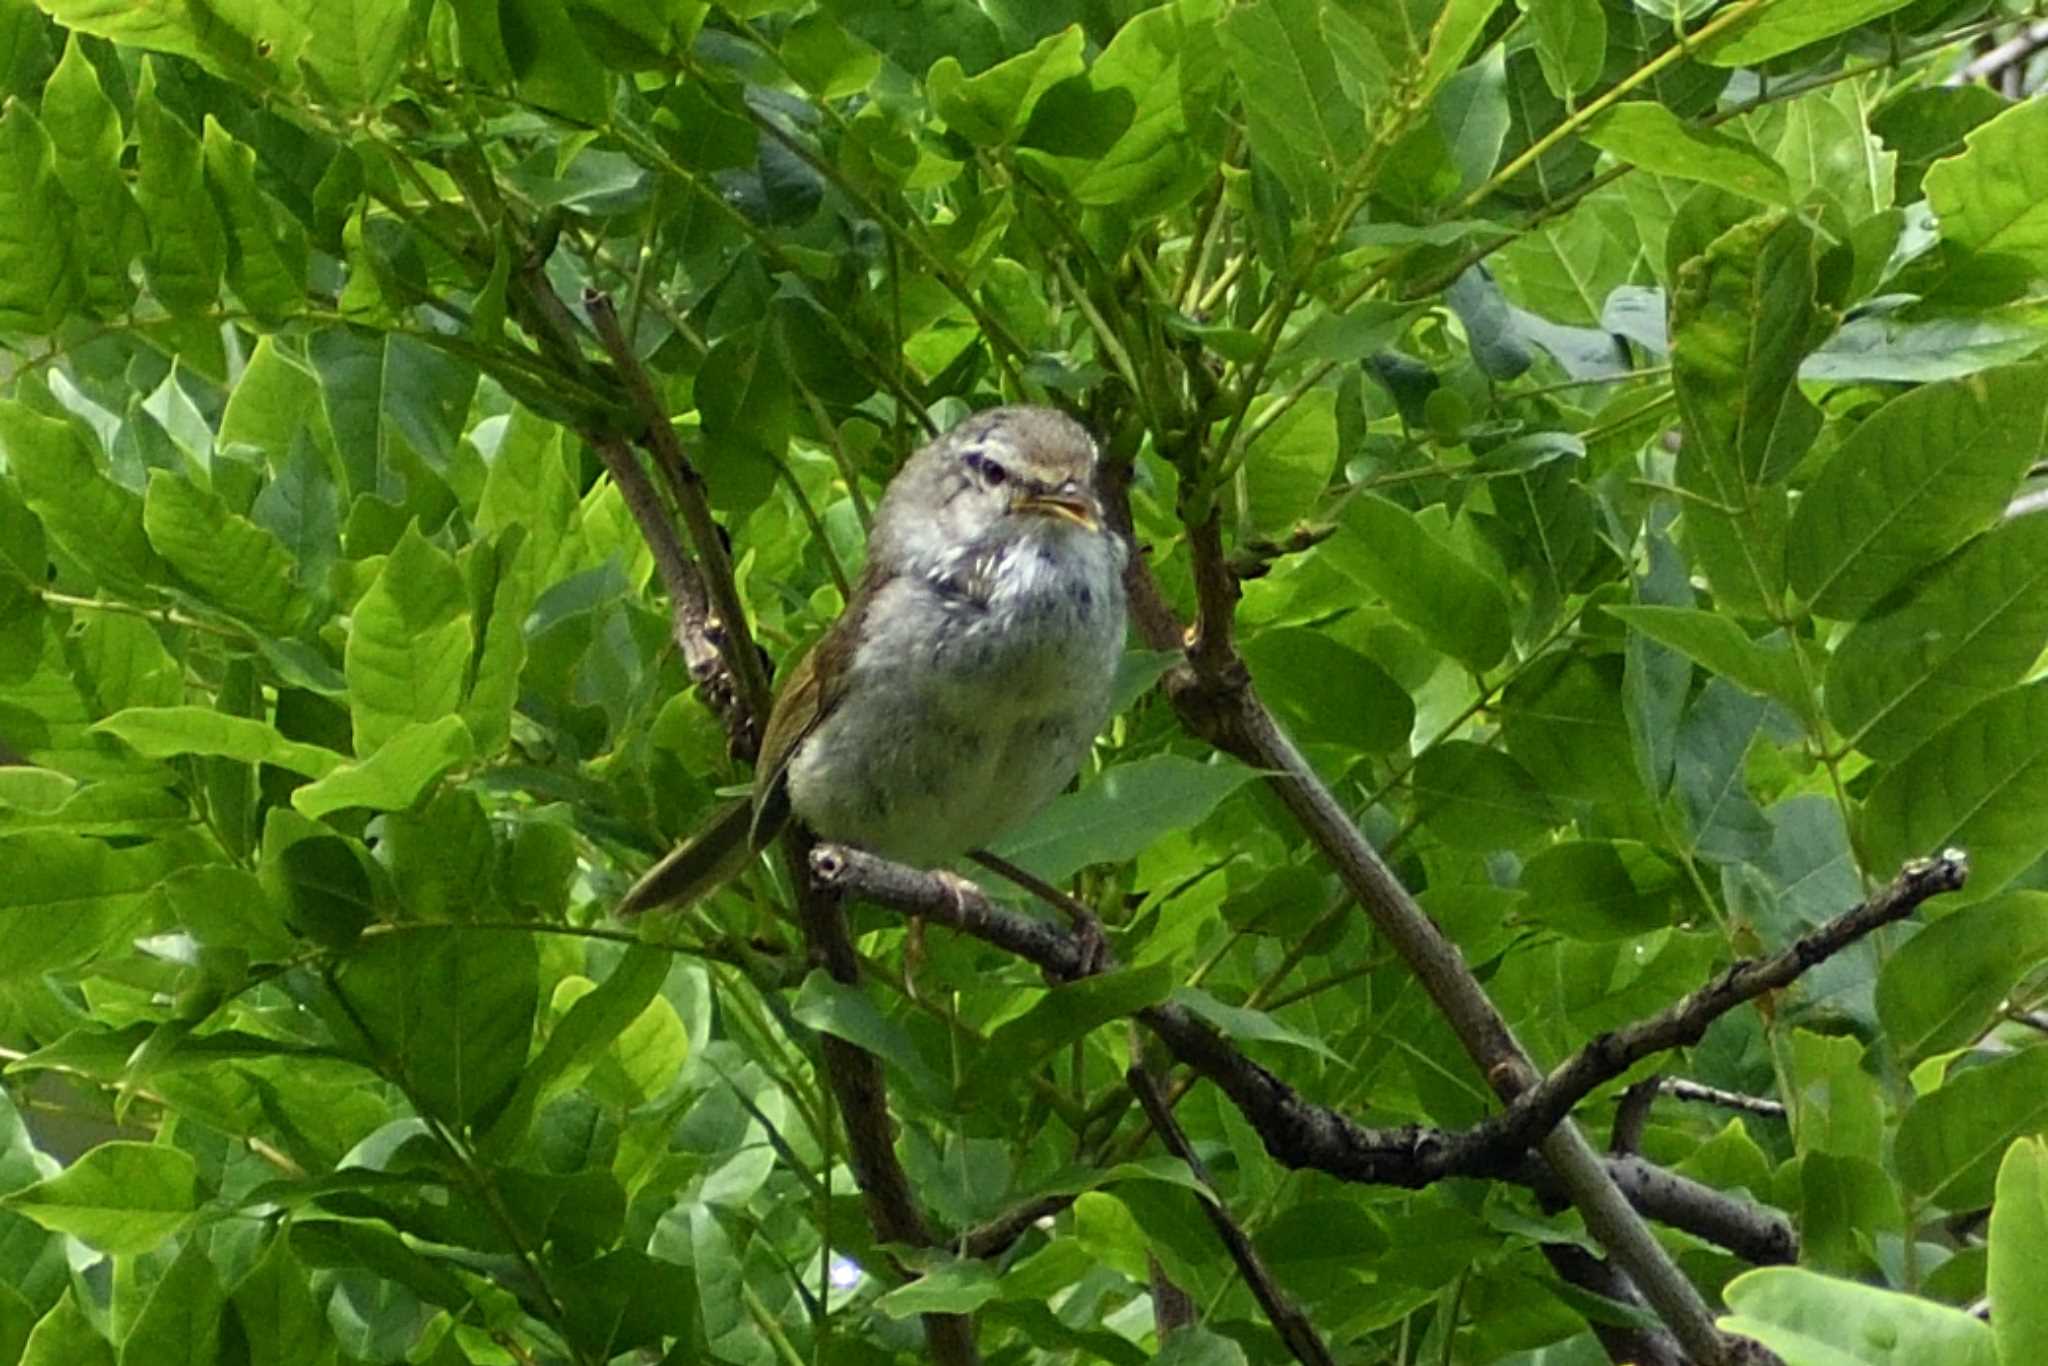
<point>1614,427</point>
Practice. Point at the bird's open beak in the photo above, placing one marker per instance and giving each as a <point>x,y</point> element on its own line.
<point>1073,507</point>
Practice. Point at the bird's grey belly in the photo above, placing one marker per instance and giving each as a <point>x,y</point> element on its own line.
<point>935,751</point>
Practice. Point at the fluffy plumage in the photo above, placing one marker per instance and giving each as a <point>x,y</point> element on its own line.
<point>960,689</point>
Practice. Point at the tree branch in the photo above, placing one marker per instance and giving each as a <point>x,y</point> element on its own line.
<point>728,623</point>
<point>1538,1108</point>
<point>1297,1132</point>
<point>1293,1326</point>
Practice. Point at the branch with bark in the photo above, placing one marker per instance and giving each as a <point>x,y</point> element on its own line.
<point>1296,1131</point>
<point>1212,692</point>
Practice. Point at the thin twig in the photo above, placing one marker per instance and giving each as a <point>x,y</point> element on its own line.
<point>1293,1326</point>
<point>1678,1088</point>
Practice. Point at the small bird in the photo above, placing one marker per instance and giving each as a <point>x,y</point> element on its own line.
<point>961,687</point>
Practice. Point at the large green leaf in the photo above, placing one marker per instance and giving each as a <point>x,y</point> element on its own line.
<point>1970,627</point>
<point>1287,467</point>
<point>1742,316</point>
<point>1771,30</point>
<point>120,1197</point>
<point>2018,1276</point>
<point>408,645</point>
<point>39,273</point>
<point>97,522</point>
<point>1979,784</point>
<point>160,732</point>
<point>1646,134</point>
<point>1456,607</point>
<point>989,108</point>
<point>1915,480</point>
<point>68,897</point>
<point>181,1322</point>
<point>447,1012</point>
<point>1947,984</point>
<point>1302,119</point>
<point>1814,1320</point>
<point>1479,798</point>
<point>1994,225</point>
<point>1131,806</point>
<point>187,244</point>
<point>410,761</point>
<point>234,563</point>
<point>1952,1139</point>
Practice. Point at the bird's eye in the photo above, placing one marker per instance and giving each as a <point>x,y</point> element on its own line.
<point>991,473</point>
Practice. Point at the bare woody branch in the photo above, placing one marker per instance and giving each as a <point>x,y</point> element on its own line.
<point>1297,1132</point>
<point>1536,1109</point>
<point>1215,698</point>
<point>729,617</point>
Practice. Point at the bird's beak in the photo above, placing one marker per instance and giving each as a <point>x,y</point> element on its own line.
<point>1077,508</point>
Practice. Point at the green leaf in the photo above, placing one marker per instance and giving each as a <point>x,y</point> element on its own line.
<point>266,248</point>
<point>846,1012</point>
<point>65,1337</point>
<point>1886,349</point>
<point>1971,627</point>
<point>1952,1139</point>
<point>1990,200</point>
<point>1328,693</point>
<point>180,1323</point>
<point>448,1012</point>
<point>1708,776</point>
<point>1742,316</point>
<point>408,645</point>
<point>1562,720</point>
<point>1815,1320</point>
<point>502,590</point>
<point>1479,798</point>
<point>1946,985</point>
<point>2018,1275</point>
<point>1457,608</point>
<point>353,49</point>
<point>1287,467</point>
<point>594,1023</point>
<point>1600,889</point>
<point>1122,813</point>
<point>956,1287</point>
<point>188,246</point>
<point>1241,1025</point>
<point>275,1307</point>
<point>323,881</point>
<point>39,275</point>
<point>394,778</point>
<point>1302,119</point>
<point>160,732</point>
<point>1915,480</point>
<point>1571,42</point>
<point>233,562</point>
<point>96,521</point>
<point>989,109</point>
<point>1064,1014</point>
<point>1979,785</point>
<point>1650,136</point>
<point>1720,645</point>
<point>1157,74</point>
<point>67,898</point>
<point>1777,29</point>
<point>119,1197</point>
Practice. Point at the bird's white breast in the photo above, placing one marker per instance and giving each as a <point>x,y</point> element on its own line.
<point>962,717</point>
